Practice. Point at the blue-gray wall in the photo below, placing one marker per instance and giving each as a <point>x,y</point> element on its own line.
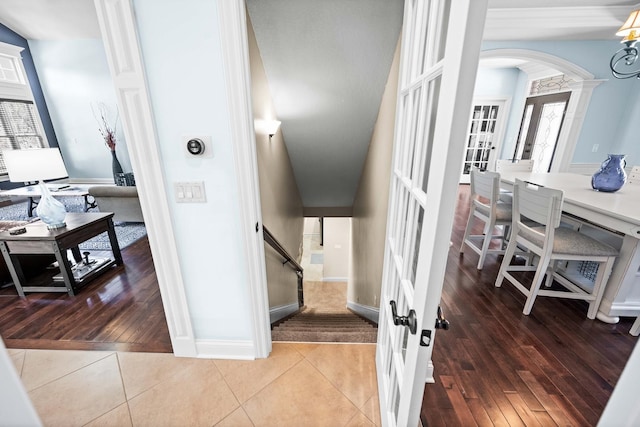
<point>75,76</point>
<point>10,37</point>
<point>613,111</point>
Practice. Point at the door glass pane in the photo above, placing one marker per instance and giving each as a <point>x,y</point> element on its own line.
<point>547,135</point>
<point>411,147</point>
<point>430,122</point>
<point>400,137</point>
<point>416,247</point>
<point>524,131</point>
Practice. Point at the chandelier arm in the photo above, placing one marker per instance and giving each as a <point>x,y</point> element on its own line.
<point>626,58</point>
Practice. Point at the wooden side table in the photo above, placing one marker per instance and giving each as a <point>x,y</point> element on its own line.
<point>39,240</point>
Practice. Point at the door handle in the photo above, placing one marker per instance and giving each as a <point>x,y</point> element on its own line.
<point>441,322</point>
<point>410,320</point>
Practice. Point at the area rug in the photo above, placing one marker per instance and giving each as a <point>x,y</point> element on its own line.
<point>126,232</point>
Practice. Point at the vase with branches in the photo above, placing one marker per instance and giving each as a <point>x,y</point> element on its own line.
<point>107,126</point>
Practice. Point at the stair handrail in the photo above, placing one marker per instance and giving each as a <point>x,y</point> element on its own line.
<point>270,239</point>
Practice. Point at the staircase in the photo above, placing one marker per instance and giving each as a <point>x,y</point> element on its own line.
<point>312,326</point>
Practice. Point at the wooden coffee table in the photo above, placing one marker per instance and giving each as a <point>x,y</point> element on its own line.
<point>39,240</point>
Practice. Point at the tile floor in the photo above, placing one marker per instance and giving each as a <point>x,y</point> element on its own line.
<point>298,385</point>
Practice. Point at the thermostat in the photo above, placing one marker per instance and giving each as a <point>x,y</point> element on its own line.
<point>197,146</point>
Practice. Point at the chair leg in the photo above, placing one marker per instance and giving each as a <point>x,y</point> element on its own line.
<point>506,260</point>
<point>535,285</point>
<point>467,230</point>
<point>485,244</point>
<point>635,328</point>
<point>604,271</point>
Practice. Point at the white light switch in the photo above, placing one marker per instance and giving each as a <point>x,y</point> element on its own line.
<point>190,192</point>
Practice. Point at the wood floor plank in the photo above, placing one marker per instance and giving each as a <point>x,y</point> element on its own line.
<point>552,367</point>
<point>118,310</point>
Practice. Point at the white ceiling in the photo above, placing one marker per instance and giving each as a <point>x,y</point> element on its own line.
<point>327,63</point>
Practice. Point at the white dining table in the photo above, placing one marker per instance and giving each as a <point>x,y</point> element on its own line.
<point>619,214</point>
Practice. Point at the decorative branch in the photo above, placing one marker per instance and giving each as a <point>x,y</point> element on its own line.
<point>108,132</point>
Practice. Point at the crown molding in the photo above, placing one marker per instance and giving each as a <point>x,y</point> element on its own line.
<point>555,23</point>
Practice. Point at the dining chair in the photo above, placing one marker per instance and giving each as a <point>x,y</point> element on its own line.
<point>634,175</point>
<point>485,206</point>
<point>508,165</point>
<point>552,243</point>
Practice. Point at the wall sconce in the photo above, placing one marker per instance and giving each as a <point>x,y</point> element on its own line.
<point>270,127</point>
<point>623,61</point>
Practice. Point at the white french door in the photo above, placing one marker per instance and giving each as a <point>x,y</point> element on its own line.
<point>439,59</point>
<point>486,127</point>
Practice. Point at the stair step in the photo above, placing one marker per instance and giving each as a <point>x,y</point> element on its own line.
<point>309,326</point>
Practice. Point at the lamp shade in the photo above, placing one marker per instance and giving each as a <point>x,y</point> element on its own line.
<point>34,164</point>
<point>632,24</point>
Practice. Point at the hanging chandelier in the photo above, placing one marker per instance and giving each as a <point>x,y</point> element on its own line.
<point>624,63</point>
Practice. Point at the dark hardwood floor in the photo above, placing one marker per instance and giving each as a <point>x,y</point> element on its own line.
<point>496,366</point>
<point>119,310</point>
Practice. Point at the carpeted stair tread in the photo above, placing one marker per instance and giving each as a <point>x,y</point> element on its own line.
<point>310,326</point>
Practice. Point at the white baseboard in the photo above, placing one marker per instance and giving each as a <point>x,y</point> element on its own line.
<point>368,312</point>
<point>335,279</point>
<point>282,311</point>
<point>213,349</point>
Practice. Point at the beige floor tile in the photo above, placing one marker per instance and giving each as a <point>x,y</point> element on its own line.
<point>195,396</point>
<point>17,357</point>
<point>43,366</point>
<point>81,396</point>
<point>360,421</point>
<point>300,397</point>
<point>303,348</point>
<point>371,409</point>
<point>238,418</point>
<point>351,368</point>
<point>246,378</point>
<point>118,417</point>
<point>141,371</point>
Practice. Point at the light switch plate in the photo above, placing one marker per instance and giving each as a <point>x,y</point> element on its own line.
<point>190,192</point>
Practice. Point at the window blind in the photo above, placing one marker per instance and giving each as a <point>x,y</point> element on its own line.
<point>18,128</point>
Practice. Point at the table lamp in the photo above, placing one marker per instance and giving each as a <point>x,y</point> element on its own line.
<point>38,164</point>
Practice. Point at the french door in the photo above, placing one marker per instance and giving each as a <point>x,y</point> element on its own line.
<point>485,134</point>
<point>540,127</point>
<point>439,59</point>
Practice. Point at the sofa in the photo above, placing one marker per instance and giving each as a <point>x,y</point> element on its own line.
<point>123,201</point>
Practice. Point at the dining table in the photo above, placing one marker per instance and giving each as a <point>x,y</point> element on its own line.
<point>613,215</point>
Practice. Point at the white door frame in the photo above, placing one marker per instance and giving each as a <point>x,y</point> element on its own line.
<point>581,91</point>
<point>119,33</point>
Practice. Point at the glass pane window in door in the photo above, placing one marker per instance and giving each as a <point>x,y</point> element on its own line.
<point>547,136</point>
<point>412,146</point>
<point>524,131</point>
<point>430,114</point>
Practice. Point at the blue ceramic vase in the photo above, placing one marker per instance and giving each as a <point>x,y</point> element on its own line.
<point>611,176</point>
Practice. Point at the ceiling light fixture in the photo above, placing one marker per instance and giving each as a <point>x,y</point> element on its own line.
<point>623,63</point>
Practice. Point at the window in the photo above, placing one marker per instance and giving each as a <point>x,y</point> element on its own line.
<point>20,125</point>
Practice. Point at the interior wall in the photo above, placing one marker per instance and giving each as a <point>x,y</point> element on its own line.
<point>75,76</point>
<point>337,249</point>
<point>369,222</point>
<point>504,83</point>
<point>282,211</point>
<point>10,37</point>
<point>181,47</point>
<point>604,122</point>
